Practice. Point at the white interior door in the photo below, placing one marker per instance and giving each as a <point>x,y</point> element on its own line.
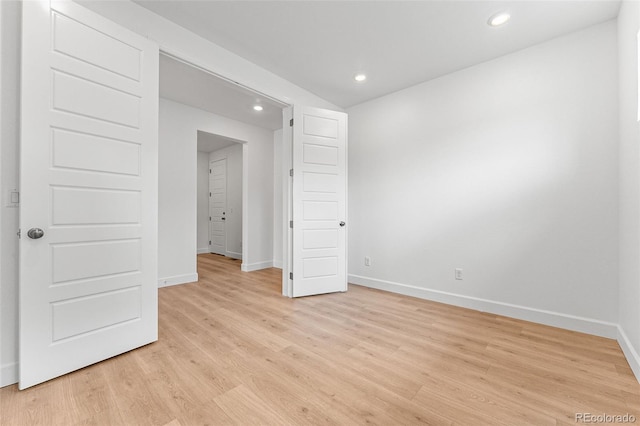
<point>89,155</point>
<point>218,206</point>
<point>319,201</point>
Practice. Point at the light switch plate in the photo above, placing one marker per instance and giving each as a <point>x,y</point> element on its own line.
<point>13,198</point>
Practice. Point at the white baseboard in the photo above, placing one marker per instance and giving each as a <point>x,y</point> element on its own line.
<point>277,264</point>
<point>234,255</point>
<point>231,254</point>
<point>177,279</point>
<point>554,319</point>
<point>8,374</point>
<point>248,267</point>
<point>629,352</point>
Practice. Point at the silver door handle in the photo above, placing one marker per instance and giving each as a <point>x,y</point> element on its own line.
<point>35,233</point>
<point>342,224</point>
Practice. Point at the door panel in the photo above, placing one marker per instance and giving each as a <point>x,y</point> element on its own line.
<point>98,48</point>
<point>80,151</point>
<point>76,261</point>
<point>97,312</point>
<point>88,286</point>
<point>77,206</point>
<point>319,154</point>
<point>319,239</point>
<point>90,99</point>
<point>218,207</point>
<point>319,201</point>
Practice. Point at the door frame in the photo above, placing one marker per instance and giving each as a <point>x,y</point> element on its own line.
<point>245,195</point>
<point>287,201</point>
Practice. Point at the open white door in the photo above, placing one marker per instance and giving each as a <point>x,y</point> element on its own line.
<point>319,201</point>
<point>89,155</point>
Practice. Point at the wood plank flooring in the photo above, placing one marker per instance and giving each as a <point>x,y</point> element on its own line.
<point>233,351</point>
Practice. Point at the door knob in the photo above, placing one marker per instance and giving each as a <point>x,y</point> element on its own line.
<point>342,224</point>
<point>35,233</point>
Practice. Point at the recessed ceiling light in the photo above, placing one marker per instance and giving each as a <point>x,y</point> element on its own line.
<point>499,19</point>
<point>359,77</point>
<point>258,107</point>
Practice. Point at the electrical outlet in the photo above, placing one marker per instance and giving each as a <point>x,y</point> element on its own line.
<point>458,273</point>
<point>367,261</point>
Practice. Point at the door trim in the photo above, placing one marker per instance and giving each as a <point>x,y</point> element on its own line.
<point>287,201</point>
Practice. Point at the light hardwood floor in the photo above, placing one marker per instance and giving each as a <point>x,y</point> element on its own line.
<point>232,350</point>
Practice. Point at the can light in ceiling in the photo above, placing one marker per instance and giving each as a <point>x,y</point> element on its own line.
<point>258,107</point>
<point>499,19</point>
<point>360,77</point>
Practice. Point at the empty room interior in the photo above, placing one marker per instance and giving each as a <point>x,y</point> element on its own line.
<point>310,212</point>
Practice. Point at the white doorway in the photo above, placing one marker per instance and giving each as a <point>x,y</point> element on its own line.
<point>197,106</point>
<point>220,195</point>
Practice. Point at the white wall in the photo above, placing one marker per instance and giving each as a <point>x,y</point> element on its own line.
<point>629,300</point>
<point>9,134</point>
<point>508,170</point>
<point>277,198</point>
<point>179,125</point>
<point>203,203</point>
<point>233,223</point>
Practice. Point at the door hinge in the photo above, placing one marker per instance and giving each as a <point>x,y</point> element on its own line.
<point>209,217</point>
<point>19,233</point>
<point>209,242</point>
<point>209,171</point>
<point>290,275</point>
<point>209,194</point>
<point>291,172</point>
<point>290,224</point>
<point>291,122</point>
